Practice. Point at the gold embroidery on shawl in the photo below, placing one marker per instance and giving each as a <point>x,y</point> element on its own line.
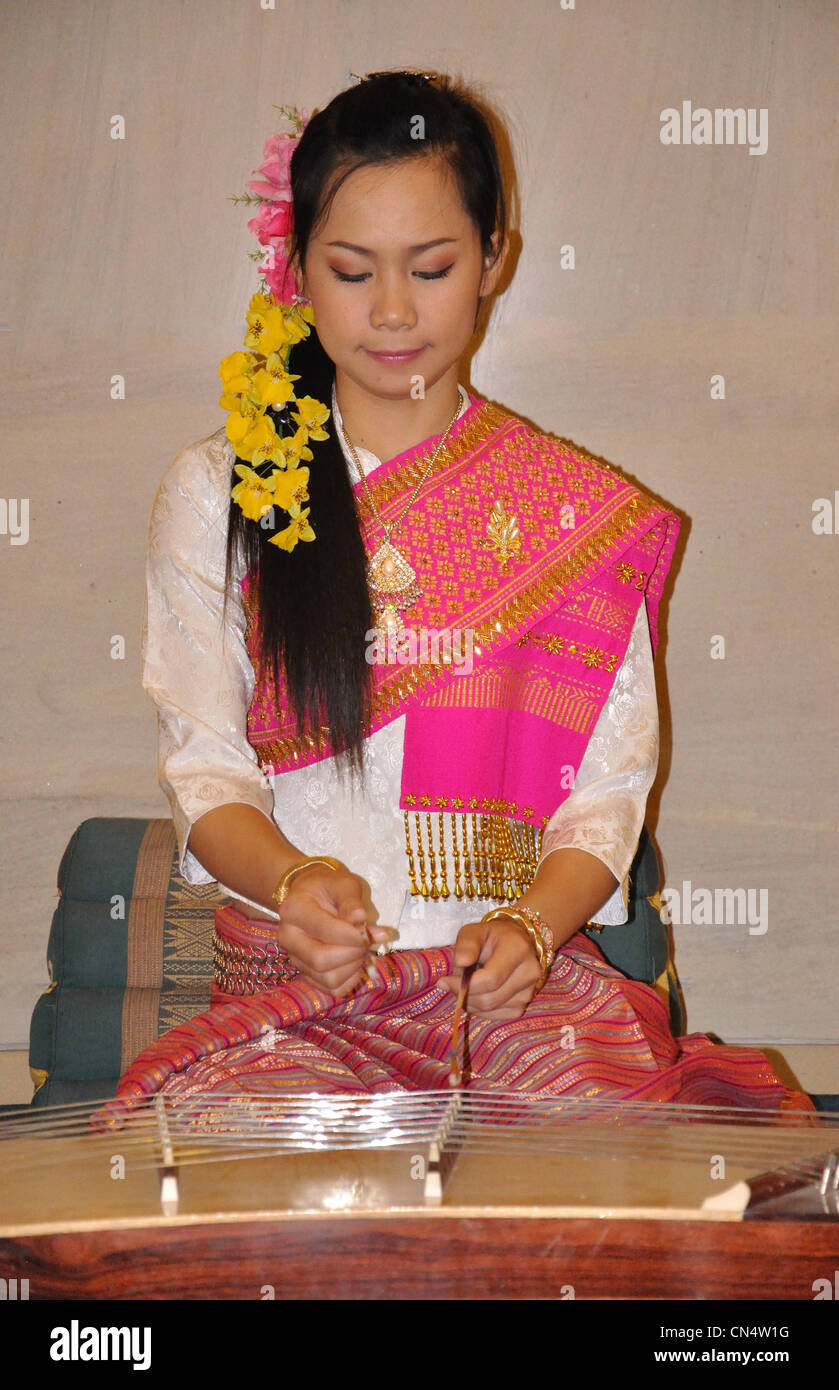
<point>602,611</point>
<point>503,534</point>
<point>543,694</point>
<point>488,418</point>
<point>627,574</point>
<point>391,694</point>
<point>557,645</point>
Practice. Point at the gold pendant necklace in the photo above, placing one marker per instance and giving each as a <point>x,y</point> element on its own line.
<point>393,582</point>
<point>393,585</point>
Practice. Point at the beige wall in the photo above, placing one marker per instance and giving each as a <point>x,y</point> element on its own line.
<point>126,257</point>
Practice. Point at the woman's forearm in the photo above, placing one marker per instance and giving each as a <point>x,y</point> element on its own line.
<point>243,849</point>
<point>239,846</point>
<point>568,886</point>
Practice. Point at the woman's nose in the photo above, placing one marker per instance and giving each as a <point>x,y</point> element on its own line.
<point>393,305</point>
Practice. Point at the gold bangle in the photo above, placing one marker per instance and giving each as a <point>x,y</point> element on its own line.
<point>543,950</point>
<point>280,893</point>
<point>543,929</point>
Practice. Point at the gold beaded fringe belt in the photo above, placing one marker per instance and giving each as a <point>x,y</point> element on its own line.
<point>491,856</point>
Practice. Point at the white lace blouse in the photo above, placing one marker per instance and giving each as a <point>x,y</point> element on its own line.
<point>199,675</point>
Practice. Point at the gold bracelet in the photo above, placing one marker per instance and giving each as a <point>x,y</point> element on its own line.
<point>280,893</point>
<point>544,951</point>
<point>543,929</point>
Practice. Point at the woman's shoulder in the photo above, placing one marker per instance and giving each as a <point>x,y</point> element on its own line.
<point>199,475</point>
<point>554,453</point>
<point>210,458</point>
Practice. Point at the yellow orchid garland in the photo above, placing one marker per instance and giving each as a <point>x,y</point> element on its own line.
<point>252,382</point>
<point>257,381</point>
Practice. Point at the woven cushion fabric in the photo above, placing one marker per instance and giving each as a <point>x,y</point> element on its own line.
<point>129,955</point>
<point>640,946</point>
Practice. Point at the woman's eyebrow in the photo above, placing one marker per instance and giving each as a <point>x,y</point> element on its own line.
<point>424,246</point>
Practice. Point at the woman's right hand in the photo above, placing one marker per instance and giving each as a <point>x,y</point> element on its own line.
<point>323,927</point>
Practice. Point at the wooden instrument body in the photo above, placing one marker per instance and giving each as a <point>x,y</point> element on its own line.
<point>465,1254</point>
<point>615,1213</point>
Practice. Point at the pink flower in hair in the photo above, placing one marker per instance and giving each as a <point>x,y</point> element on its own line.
<point>276,158</point>
<point>275,219</point>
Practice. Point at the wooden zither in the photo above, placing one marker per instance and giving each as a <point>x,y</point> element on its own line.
<point>432,1194</point>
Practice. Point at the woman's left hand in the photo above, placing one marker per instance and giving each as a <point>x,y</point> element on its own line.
<point>508,973</point>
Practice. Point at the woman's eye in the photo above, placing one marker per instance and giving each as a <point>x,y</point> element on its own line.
<point>422,274</point>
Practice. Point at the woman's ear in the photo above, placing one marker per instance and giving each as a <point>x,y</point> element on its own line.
<point>493,264</point>
<point>297,273</point>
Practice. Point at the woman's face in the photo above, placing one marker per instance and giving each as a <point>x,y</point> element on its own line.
<point>397,267</point>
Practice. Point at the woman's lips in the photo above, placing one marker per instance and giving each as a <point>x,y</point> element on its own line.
<point>395,356</point>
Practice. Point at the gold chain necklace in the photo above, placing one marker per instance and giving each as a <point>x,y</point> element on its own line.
<point>393,581</point>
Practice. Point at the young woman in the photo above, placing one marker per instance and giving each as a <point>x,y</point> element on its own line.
<point>404,670</point>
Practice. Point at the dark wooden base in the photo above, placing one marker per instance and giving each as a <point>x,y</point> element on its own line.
<point>430,1257</point>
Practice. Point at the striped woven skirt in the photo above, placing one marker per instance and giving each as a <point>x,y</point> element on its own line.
<point>590,1032</point>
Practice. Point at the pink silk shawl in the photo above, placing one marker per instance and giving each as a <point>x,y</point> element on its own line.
<point>550,621</point>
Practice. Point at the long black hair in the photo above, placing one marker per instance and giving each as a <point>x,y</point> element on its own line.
<point>313,603</point>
